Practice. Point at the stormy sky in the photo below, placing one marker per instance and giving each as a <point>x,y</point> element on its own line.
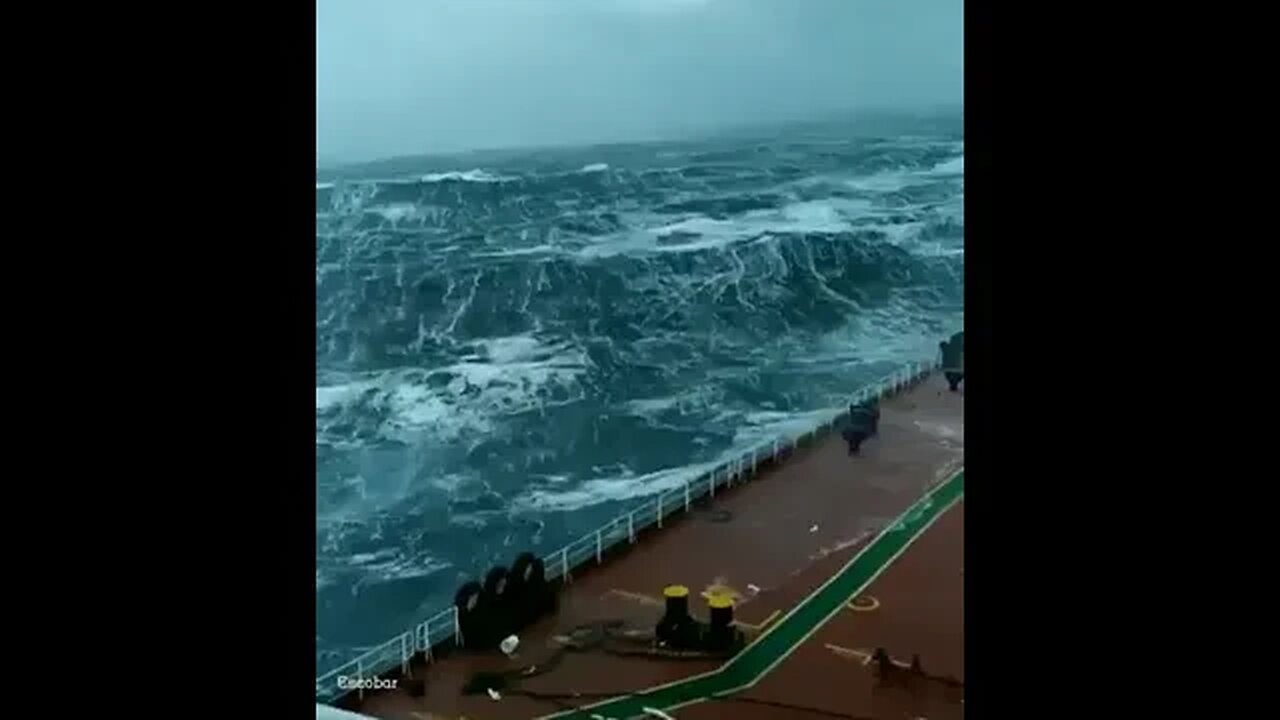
<point>408,77</point>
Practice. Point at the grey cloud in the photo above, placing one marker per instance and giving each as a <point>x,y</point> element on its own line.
<point>397,77</point>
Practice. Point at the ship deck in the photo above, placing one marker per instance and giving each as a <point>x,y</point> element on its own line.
<point>795,544</point>
<point>915,609</point>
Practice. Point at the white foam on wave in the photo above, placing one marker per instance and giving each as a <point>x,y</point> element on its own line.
<point>384,565</point>
<point>392,564</point>
<point>937,250</point>
<point>415,409</point>
<point>324,185</point>
<point>767,425</point>
<point>900,234</point>
<point>504,376</point>
<point>594,167</point>
<point>329,396</point>
<point>474,175</point>
<point>520,364</point>
<point>395,212</point>
<point>517,252</point>
<point>653,406</point>
<point>347,199</point>
<point>888,181</point>
<point>954,166</point>
<point>756,429</point>
<point>622,486</point>
<point>516,348</point>
<point>888,334</point>
<point>818,216</point>
<point>892,181</point>
<point>686,401</point>
<point>701,233</point>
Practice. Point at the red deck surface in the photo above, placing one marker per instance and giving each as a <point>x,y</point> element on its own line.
<point>919,609</point>
<point>788,529</point>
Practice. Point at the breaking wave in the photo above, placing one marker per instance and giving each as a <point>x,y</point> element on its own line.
<point>508,351</point>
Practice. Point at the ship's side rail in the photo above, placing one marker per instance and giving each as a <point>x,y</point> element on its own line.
<point>442,627</point>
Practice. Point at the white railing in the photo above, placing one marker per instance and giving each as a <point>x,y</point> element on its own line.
<point>443,626</point>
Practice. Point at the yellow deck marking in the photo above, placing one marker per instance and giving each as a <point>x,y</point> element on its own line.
<point>772,616</point>
<point>638,597</point>
<point>864,656</point>
<point>853,604</point>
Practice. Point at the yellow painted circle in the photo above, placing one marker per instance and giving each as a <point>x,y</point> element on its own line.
<point>865,603</point>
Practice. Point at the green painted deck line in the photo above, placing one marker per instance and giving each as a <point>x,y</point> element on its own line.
<point>785,635</point>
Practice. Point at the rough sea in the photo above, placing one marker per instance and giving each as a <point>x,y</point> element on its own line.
<point>511,347</point>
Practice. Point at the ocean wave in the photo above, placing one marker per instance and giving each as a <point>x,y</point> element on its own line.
<point>475,175</point>
<point>500,376</point>
<point>507,354</point>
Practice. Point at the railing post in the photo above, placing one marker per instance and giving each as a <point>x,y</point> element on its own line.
<point>687,504</point>
<point>457,630</point>
<point>360,677</point>
<point>711,482</point>
<point>599,548</point>
<point>426,639</point>
<point>564,563</point>
<point>404,653</point>
<point>775,448</point>
<point>660,496</point>
<point>631,526</point>
<point>753,462</point>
